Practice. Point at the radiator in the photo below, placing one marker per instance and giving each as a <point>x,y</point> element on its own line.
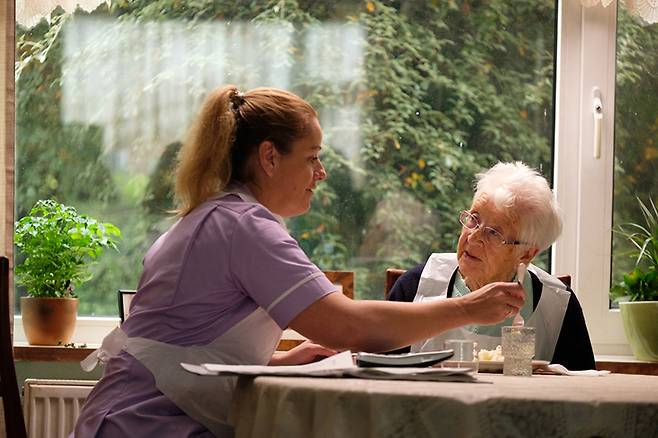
<point>52,406</point>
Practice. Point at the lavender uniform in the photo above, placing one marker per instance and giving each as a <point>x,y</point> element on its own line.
<point>219,286</point>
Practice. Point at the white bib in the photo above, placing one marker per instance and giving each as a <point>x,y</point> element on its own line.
<point>547,317</point>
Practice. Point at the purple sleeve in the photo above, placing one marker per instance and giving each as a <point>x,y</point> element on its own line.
<point>272,269</point>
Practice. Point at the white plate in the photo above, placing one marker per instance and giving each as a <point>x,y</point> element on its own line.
<point>496,366</point>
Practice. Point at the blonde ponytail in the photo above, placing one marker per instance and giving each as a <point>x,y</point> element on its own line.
<point>204,166</point>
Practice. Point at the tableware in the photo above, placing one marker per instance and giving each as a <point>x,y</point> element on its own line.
<point>463,356</point>
<point>496,366</point>
<point>423,359</point>
<point>518,350</point>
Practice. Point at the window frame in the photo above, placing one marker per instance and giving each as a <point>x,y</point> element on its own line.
<point>583,184</point>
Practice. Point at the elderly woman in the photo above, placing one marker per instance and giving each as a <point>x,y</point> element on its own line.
<point>513,217</point>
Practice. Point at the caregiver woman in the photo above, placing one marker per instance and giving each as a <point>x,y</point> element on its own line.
<point>227,278</point>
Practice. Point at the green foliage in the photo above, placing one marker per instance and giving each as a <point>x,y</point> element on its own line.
<point>636,128</point>
<point>53,159</point>
<point>638,285</point>
<point>641,284</point>
<point>58,245</point>
<point>32,47</point>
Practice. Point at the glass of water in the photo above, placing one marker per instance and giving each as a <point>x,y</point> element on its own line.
<point>463,356</point>
<point>518,349</point>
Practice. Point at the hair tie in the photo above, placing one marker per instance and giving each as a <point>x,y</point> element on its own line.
<point>237,99</point>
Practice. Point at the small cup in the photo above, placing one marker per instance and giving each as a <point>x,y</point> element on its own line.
<point>463,356</point>
<point>518,349</point>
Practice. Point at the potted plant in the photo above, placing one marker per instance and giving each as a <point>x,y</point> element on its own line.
<point>58,245</point>
<point>637,293</point>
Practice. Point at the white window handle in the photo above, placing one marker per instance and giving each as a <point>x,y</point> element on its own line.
<point>597,111</point>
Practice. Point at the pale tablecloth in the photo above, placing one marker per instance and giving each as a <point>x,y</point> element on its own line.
<point>618,405</point>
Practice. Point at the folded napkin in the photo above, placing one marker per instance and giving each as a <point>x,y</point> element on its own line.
<point>559,369</point>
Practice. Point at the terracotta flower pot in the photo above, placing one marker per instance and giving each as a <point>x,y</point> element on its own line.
<point>49,321</point>
<point>640,320</point>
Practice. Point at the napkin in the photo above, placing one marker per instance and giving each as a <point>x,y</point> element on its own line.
<point>559,369</point>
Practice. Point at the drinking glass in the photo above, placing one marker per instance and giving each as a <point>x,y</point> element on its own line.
<point>463,354</point>
<point>518,349</point>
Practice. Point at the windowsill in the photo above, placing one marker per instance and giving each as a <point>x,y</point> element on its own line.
<point>626,365</point>
<point>42,353</point>
<point>619,359</point>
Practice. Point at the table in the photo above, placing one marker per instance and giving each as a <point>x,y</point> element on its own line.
<point>618,405</point>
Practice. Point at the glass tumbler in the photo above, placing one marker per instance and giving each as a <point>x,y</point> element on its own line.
<point>463,354</point>
<point>518,349</point>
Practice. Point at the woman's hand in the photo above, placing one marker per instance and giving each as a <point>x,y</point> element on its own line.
<point>492,303</point>
<point>305,352</point>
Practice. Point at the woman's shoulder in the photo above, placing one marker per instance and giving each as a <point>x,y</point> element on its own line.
<point>229,208</point>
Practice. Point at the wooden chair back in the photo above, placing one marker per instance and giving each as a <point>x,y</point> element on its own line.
<point>11,400</point>
<point>344,281</point>
<point>125,296</point>
<point>566,279</point>
<point>392,275</point>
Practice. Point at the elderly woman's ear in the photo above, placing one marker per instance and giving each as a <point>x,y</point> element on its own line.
<point>529,254</point>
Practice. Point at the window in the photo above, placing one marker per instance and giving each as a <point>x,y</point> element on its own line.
<point>615,52</point>
<point>414,99</point>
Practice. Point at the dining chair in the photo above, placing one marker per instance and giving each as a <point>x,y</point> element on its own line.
<point>566,279</point>
<point>392,275</point>
<point>14,422</point>
<point>344,282</point>
<point>125,296</point>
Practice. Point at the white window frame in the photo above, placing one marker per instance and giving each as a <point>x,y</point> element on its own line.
<point>586,58</point>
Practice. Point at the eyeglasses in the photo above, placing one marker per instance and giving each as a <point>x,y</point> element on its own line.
<point>489,235</point>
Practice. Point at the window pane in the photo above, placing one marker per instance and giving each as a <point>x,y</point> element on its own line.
<point>414,99</point>
<point>636,131</point>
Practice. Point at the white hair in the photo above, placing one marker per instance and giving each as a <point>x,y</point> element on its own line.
<point>520,192</point>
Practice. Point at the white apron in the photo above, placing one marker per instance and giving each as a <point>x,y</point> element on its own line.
<point>206,399</point>
<point>546,319</point>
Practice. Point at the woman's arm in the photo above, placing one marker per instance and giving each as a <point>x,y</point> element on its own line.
<point>341,323</point>
<point>305,352</point>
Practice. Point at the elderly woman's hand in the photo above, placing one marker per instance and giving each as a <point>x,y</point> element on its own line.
<point>493,303</point>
